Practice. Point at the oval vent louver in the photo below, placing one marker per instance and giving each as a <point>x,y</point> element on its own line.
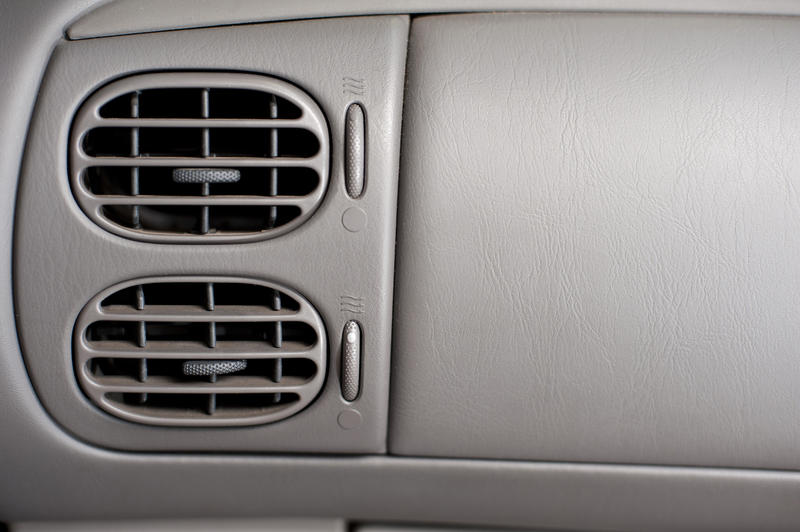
<point>200,351</point>
<point>199,157</point>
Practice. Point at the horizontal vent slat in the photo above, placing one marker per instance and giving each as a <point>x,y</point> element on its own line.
<point>293,201</point>
<point>202,162</point>
<point>271,123</point>
<point>223,416</point>
<point>227,384</point>
<point>198,350</point>
<point>196,314</point>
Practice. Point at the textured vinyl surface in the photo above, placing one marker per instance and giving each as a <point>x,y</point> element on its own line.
<point>615,274</point>
<point>354,151</point>
<point>50,475</point>
<point>321,258</point>
<point>133,16</point>
<point>351,360</point>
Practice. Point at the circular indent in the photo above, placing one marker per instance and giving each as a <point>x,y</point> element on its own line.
<point>349,419</point>
<point>354,219</point>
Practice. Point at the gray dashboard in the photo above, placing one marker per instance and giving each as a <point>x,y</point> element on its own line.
<point>610,276</point>
<point>594,280</point>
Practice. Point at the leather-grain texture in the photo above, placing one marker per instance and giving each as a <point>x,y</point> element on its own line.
<point>50,475</point>
<point>135,16</point>
<point>599,240</point>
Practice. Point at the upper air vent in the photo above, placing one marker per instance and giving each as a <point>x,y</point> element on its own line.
<point>200,351</point>
<point>199,157</point>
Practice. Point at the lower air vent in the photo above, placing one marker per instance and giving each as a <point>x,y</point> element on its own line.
<point>200,351</point>
<point>199,157</point>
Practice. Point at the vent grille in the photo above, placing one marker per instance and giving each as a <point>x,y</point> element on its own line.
<point>200,351</point>
<point>199,157</point>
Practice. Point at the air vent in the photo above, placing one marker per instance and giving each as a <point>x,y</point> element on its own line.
<point>199,157</point>
<point>200,351</point>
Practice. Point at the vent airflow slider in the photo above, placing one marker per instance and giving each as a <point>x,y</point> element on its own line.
<point>200,351</point>
<point>199,157</point>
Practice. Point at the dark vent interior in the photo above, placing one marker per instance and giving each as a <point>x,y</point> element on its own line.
<point>188,142</point>
<point>194,163</point>
<point>178,406</point>
<point>185,103</point>
<point>196,351</point>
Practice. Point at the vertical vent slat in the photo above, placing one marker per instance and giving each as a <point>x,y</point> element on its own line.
<point>273,152</point>
<point>135,209</point>
<point>277,342</point>
<point>212,326</point>
<point>267,133</point>
<point>206,149</point>
<point>141,340</point>
<point>142,329</point>
<point>258,370</point>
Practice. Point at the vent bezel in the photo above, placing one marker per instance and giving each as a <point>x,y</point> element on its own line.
<point>88,118</point>
<point>97,392</point>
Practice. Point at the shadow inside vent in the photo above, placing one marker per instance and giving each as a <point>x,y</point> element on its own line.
<point>200,349</point>
<point>263,153</point>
